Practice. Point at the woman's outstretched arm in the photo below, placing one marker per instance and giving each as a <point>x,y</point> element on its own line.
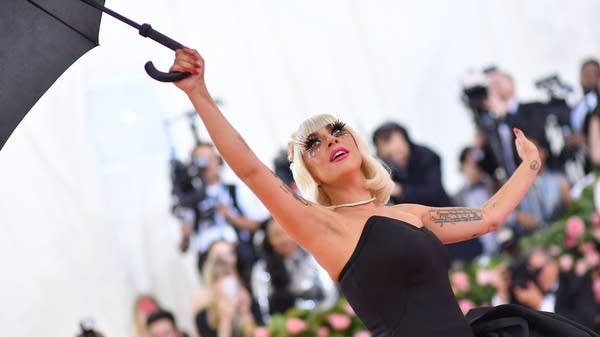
<point>300,218</point>
<point>453,224</point>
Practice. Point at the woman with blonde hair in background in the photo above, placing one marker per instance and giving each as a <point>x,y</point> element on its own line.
<point>229,311</point>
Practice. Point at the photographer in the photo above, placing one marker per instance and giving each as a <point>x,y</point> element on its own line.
<point>589,78</point>
<point>213,210</point>
<point>496,110</point>
<point>537,283</point>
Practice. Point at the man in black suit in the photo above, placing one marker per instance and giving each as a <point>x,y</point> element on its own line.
<point>416,169</point>
<point>566,294</point>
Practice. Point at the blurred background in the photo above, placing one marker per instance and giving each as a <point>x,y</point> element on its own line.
<point>85,185</point>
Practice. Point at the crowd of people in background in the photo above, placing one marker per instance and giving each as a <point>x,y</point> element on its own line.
<point>251,269</point>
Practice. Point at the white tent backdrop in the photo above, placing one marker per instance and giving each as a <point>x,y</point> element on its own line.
<point>84,179</point>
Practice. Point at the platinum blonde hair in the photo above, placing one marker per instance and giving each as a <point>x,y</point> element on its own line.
<point>377,177</point>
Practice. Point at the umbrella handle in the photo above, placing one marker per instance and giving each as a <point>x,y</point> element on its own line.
<point>158,75</point>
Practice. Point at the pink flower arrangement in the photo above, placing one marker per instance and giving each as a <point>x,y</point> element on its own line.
<point>295,325</point>
<point>339,322</point>
<point>460,282</point>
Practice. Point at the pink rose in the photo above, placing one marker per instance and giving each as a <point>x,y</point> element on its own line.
<point>466,305</point>
<point>362,333</point>
<point>460,282</point>
<point>322,331</point>
<point>349,310</point>
<point>574,228</point>
<point>587,247</point>
<point>339,322</point>
<point>566,262</point>
<point>485,277</point>
<point>592,259</point>
<point>581,267</point>
<point>295,325</point>
<point>261,331</point>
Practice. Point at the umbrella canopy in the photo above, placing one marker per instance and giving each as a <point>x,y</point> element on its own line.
<point>39,42</point>
<point>40,39</point>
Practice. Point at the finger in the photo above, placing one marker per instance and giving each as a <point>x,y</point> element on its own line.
<point>189,66</point>
<point>188,55</point>
<point>192,53</point>
<point>178,67</point>
<point>518,132</point>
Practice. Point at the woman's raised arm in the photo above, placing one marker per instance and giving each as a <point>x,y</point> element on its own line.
<point>453,224</point>
<point>299,217</point>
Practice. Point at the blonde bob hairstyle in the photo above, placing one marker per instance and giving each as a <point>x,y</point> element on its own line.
<point>377,177</point>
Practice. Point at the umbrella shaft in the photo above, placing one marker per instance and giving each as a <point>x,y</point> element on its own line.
<point>145,30</point>
<point>113,13</point>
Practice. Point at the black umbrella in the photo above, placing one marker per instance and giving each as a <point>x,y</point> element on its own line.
<point>40,39</point>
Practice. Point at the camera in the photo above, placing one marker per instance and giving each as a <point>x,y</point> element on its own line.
<point>475,90</point>
<point>554,86</point>
<point>88,328</point>
<point>189,190</point>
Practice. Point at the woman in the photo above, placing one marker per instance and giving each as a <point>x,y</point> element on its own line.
<point>230,310</point>
<point>390,261</point>
<point>224,250</point>
<point>288,277</point>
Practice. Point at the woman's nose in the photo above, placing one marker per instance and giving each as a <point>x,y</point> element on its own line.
<point>332,140</point>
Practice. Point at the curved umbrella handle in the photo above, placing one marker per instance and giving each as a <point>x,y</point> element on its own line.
<point>158,75</point>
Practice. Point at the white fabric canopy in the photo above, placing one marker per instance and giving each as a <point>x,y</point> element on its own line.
<point>84,185</point>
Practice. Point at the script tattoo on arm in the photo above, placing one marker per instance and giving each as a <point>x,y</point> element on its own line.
<point>288,190</point>
<point>534,165</point>
<point>455,215</point>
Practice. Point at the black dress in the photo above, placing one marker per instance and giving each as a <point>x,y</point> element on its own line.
<point>397,282</point>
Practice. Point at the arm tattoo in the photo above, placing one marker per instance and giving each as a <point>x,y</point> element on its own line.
<point>455,215</point>
<point>288,190</point>
<point>534,165</point>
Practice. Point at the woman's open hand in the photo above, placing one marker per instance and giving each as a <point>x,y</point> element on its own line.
<point>526,149</point>
<point>189,60</point>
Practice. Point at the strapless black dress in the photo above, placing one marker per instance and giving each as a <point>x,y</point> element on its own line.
<point>397,282</point>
